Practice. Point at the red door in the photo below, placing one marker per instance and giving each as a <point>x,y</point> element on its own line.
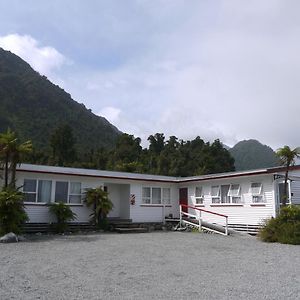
<point>183,198</point>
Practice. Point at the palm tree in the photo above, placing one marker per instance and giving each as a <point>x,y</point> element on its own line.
<point>287,157</point>
<point>102,205</point>
<point>11,154</point>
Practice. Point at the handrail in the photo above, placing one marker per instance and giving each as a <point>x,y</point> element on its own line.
<point>200,209</point>
<point>199,218</point>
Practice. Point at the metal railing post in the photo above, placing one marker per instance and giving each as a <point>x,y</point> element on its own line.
<point>180,215</point>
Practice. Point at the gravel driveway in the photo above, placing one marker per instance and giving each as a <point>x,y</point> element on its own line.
<point>158,265</point>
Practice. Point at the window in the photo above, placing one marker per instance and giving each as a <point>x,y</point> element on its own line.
<point>166,195</point>
<point>199,195</point>
<point>256,191</point>
<point>224,193</point>
<point>156,195</point>
<point>227,193</point>
<point>281,192</point>
<point>146,195</point>
<point>215,194</point>
<point>37,190</point>
<point>234,193</point>
<point>68,192</point>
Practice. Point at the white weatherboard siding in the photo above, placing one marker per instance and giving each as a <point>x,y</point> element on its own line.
<point>38,213</point>
<point>152,213</point>
<point>242,213</point>
<point>295,190</point>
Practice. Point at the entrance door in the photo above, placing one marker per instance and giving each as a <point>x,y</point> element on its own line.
<point>183,198</point>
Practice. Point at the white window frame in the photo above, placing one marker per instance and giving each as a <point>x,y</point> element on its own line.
<point>216,197</point>
<point>69,192</point>
<point>163,199</point>
<point>235,196</point>
<point>37,183</point>
<point>288,201</point>
<point>257,197</point>
<point>199,199</point>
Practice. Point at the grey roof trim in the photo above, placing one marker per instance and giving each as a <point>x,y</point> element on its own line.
<point>141,177</point>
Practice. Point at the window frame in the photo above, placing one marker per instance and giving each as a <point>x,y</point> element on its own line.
<point>199,199</point>
<point>36,192</point>
<point>69,192</point>
<point>258,195</point>
<point>163,200</point>
<point>216,197</point>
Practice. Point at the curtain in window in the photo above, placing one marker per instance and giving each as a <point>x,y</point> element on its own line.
<point>44,191</point>
<point>156,195</point>
<point>167,195</point>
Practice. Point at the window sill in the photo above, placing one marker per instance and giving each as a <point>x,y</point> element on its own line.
<point>36,203</point>
<point>257,204</point>
<point>227,204</point>
<point>155,205</point>
<point>46,204</point>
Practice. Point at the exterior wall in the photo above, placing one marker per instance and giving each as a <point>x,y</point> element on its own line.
<point>38,213</point>
<point>242,213</point>
<point>295,191</point>
<point>140,212</point>
<point>119,195</point>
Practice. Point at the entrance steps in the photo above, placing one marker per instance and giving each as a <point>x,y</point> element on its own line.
<point>127,226</point>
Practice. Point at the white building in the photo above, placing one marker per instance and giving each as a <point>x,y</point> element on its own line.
<point>246,197</point>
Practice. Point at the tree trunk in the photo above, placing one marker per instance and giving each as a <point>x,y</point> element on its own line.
<point>285,196</point>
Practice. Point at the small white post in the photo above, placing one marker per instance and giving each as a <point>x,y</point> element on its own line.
<point>226,227</point>
<point>163,213</point>
<point>180,215</point>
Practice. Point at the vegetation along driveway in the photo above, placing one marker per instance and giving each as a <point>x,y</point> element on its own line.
<point>158,265</point>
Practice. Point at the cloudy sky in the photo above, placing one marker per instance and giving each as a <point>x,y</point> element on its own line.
<point>218,69</point>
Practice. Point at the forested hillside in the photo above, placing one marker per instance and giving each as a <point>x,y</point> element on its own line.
<point>34,107</point>
<point>251,154</point>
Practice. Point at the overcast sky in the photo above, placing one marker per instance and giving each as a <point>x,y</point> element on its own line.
<point>218,69</point>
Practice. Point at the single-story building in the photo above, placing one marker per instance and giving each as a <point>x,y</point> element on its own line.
<point>246,197</point>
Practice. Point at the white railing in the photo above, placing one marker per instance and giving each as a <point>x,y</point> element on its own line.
<point>199,223</point>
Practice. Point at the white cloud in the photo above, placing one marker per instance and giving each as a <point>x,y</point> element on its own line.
<point>112,114</point>
<point>45,60</point>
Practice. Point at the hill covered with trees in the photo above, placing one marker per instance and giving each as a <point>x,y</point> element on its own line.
<point>34,107</point>
<point>251,154</point>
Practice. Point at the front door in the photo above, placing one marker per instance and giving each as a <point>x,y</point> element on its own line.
<point>183,198</point>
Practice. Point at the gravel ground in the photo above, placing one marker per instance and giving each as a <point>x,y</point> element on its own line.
<point>158,265</point>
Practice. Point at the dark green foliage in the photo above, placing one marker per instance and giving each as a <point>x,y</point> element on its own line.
<point>62,143</point>
<point>285,228</point>
<point>12,212</point>
<point>11,154</point>
<point>98,199</point>
<point>34,107</point>
<point>63,214</point>
<point>251,154</point>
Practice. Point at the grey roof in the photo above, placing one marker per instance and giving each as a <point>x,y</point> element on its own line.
<point>140,177</point>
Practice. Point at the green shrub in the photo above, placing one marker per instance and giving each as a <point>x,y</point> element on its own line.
<point>12,212</point>
<point>63,214</point>
<point>285,228</point>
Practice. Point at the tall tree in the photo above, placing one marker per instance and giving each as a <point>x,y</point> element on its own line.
<point>287,157</point>
<point>11,154</point>
<point>62,143</point>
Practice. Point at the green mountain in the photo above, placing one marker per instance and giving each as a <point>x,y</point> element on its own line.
<point>251,154</point>
<point>34,107</point>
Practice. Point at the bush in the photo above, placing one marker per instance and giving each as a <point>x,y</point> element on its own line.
<point>285,228</point>
<point>63,214</point>
<point>12,211</point>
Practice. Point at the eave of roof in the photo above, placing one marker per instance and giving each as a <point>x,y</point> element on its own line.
<point>144,177</point>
